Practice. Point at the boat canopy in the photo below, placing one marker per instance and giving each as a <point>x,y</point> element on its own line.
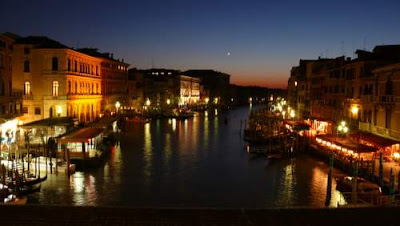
<point>80,135</point>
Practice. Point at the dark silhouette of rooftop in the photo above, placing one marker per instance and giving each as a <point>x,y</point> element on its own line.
<point>41,42</point>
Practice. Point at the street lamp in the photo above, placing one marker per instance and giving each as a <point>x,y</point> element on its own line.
<point>283,114</point>
<point>292,113</point>
<point>343,128</point>
<point>207,100</point>
<point>59,111</point>
<point>354,110</point>
<point>168,101</point>
<point>117,105</point>
<point>148,102</point>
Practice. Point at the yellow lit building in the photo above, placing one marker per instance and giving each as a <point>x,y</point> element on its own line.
<point>114,76</point>
<point>189,90</point>
<point>56,80</point>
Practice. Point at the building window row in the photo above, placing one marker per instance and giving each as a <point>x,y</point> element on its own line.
<point>83,88</point>
<point>82,68</point>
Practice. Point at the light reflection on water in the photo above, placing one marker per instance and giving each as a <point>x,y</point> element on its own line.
<point>195,162</point>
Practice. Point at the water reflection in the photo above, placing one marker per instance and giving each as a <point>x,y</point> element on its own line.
<point>147,155</point>
<point>196,162</point>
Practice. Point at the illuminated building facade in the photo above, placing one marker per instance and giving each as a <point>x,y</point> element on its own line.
<point>114,74</point>
<point>216,84</point>
<point>339,88</point>
<point>10,101</point>
<point>135,89</point>
<point>189,90</point>
<point>56,80</point>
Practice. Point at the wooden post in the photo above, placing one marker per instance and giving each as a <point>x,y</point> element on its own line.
<point>354,187</point>
<point>68,163</point>
<point>329,187</point>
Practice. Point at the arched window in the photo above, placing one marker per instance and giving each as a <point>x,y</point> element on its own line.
<point>1,87</point>
<point>69,65</point>
<point>26,66</point>
<point>92,90</point>
<point>69,87</point>
<point>76,66</point>
<point>54,64</point>
<point>76,87</point>
<point>97,88</point>
<point>27,88</point>
<point>389,87</point>
<point>55,88</point>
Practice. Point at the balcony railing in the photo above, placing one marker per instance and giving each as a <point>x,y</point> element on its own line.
<point>28,97</point>
<point>54,97</point>
<point>367,98</point>
<point>385,99</point>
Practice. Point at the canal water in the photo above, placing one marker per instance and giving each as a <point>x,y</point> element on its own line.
<point>199,162</point>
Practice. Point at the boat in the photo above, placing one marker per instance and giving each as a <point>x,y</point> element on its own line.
<point>345,184</point>
<point>33,181</point>
<point>275,156</point>
<point>14,200</point>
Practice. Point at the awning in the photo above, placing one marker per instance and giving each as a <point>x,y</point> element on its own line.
<point>348,144</point>
<point>80,135</point>
<point>103,122</point>
<point>298,126</point>
<point>50,122</point>
<point>374,139</point>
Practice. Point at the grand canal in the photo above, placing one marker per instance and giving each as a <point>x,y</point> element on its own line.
<point>199,162</point>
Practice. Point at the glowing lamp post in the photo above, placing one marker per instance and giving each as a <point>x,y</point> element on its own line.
<point>207,100</point>
<point>168,101</point>
<point>148,102</point>
<point>292,114</point>
<point>59,111</point>
<point>117,105</point>
<point>342,128</point>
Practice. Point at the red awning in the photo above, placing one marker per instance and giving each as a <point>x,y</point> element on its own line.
<point>374,139</point>
<point>348,144</point>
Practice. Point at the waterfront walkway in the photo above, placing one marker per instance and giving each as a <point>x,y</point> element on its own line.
<point>69,215</point>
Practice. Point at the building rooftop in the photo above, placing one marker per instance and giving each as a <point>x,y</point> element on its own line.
<point>41,42</point>
<point>95,53</point>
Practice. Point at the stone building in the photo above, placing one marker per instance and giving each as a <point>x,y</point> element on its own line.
<point>56,80</point>
<point>188,90</point>
<point>338,88</point>
<point>216,84</point>
<point>10,101</point>
<point>114,75</point>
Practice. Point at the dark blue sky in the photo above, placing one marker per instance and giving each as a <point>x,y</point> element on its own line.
<point>264,38</point>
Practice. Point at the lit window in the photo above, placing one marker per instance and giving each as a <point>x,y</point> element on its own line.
<point>55,88</point>
<point>27,88</point>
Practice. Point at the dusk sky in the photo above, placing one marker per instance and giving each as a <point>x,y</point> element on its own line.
<point>257,42</point>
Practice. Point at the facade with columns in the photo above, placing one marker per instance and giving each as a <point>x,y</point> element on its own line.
<point>56,80</point>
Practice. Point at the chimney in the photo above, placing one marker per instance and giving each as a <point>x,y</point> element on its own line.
<point>112,55</point>
<point>122,60</point>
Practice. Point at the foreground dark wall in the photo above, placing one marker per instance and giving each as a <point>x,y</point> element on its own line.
<point>68,215</point>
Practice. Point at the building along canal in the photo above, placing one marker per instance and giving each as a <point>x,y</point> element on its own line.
<point>198,162</point>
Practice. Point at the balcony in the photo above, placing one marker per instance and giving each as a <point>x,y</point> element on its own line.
<point>367,98</point>
<point>55,97</point>
<point>28,97</point>
<point>385,99</point>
